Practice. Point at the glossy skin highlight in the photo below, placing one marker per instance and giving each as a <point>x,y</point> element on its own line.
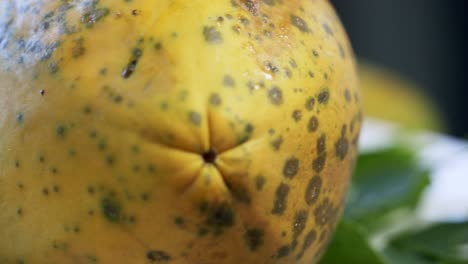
<point>173,131</point>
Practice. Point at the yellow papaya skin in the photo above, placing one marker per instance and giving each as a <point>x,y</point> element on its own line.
<point>173,131</point>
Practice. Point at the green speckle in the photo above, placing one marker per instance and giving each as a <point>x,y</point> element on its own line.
<point>275,95</point>
<point>78,49</point>
<point>290,168</point>
<point>19,118</point>
<point>299,23</point>
<point>93,16</point>
<point>323,96</point>
<point>212,35</point>
<point>158,256</point>
<point>61,131</point>
<point>111,210</point>
<point>313,124</point>
<point>254,238</point>
<point>260,182</point>
<point>228,81</point>
<point>280,200</point>
<point>215,99</point>
<point>195,118</point>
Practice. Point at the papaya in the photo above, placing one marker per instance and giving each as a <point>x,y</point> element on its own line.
<point>173,131</point>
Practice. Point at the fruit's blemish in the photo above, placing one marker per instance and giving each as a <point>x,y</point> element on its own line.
<point>310,103</point>
<point>299,23</point>
<point>228,81</point>
<point>313,124</point>
<point>61,131</point>
<point>291,167</point>
<point>275,95</point>
<point>280,199</point>
<point>215,99</point>
<point>132,64</point>
<point>158,256</point>
<point>111,209</point>
<point>195,118</point>
<point>19,118</point>
<point>254,238</point>
<point>276,143</point>
<point>313,189</point>
<point>321,144</point>
<point>212,35</point>
<point>342,145</point>
<point>260,181</point>
<point>299,223</point>
<point>283,251</point>
<point>297,115</point>
<point>308,241</point>
<point>319,163</point>
<point>323,96</point>
<point>324,213</point>
<point>217,217</point>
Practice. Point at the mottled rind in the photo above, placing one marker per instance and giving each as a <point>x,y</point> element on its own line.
<point>173,131</point>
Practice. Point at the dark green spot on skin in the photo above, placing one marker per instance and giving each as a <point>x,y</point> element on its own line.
<point>313,124</point>
<point>321,144</point>
<point>87,110</point>
<point>283,252</point>
<point>195,118</point>
<point>251,6</point>
<point>323,97</point>
<point>228,81</point>
<point>342,145</point>
<point>17,164</point>
<point>254,238</point>
<point>53,67</point>
<point>78,49</point>
<point>247,133</point>
<point>327,29</point>
<point>310,103</point>
<point>61,131</point>
<point>215,99</point>
<point>270,67</point>
<point>275,95</point>
<point>219,217</point>
<point>341,50</point>
<point>325,213</point>
<point>110,160</point>
<point>313,190</point>
<point>315,53</point>
<point>308,241</point>
<point>19,118</point>
<point>158,256</point>
<point>319,163</point>
<point>45,191</point>
<point>158,46</point>
<point>239,192</point>
<point>311,74</point>
<point>299,23</point>
<point>19,211</point>
<point>276,144</point>
<point>260,182</point>
<point>280,201</point>
<point>179,221</point>
<point>297,115</point>
<point>111,210</point>
<point>290,168</point>
<point>94,15</point>
<point>299,224</point>
<point>212,35</point>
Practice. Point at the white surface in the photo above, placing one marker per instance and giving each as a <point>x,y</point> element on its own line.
<point>446,199</point>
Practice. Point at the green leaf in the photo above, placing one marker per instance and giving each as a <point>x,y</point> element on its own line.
<point>445,243</point>
<point>350,245</point>
<point>384,181</point>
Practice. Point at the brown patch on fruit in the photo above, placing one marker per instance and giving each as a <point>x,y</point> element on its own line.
<point>313,190</point>
<point>280,201</point>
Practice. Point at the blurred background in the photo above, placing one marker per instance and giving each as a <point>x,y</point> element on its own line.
<point>413,56</point>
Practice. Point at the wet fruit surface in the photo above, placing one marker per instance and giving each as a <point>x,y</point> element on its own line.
<point>173,131</point>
